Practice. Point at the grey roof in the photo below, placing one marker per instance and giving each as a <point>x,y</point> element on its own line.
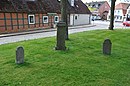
<point>41,6</point>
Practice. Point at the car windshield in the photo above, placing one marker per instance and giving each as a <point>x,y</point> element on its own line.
<point>128,22</point>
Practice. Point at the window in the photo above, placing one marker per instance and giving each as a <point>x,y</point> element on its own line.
<point>56,19</point>
<point>118,11</point>
<point>129,11</point>
<point>72,3</point>
<point>117,17</point>
<point>120,17</point>
<point>76,17</point>
<point>99,5</point>
<point>109,17</point>
<point>45,19</point>
<point>31,19</point>
<point>93,5</point>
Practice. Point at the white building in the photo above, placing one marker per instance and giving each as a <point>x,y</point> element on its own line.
<point>82,14</point>
<point>120,12</point>
<point>120,1</point>
<point>128,11</point>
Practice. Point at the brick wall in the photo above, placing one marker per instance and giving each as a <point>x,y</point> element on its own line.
<point>16,22</point>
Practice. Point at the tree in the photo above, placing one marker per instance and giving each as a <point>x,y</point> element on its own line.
<point>64,16</point>
<point>112,14</point>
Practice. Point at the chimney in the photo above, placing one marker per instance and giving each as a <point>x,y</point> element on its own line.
<point>71,2</point>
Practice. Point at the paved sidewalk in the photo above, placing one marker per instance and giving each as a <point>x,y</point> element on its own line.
<point>40,31</point>
<point>22,36</point>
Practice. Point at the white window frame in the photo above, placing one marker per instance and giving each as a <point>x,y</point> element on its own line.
<point>33,19</point>
<point>44,20</point>
<point>57,19</point>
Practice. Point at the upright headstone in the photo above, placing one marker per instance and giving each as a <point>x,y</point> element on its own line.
<point>19,55</point>
<point>107,47</point>
<point>61,36</point>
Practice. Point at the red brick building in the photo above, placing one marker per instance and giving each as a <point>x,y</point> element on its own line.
<point>101,9</point>
<point>104,10</point>
<point>23,15</point>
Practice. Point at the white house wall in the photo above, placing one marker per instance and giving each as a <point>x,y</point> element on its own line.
<point>128,11</point>
<point>79,19</point>
<point>72,19</point>
<point>108,16</point>
<point>119,1</point>
<point>118,15</point>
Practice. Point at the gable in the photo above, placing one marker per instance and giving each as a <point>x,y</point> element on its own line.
<point>122,6</point>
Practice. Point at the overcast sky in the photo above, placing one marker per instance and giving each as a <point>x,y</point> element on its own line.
<point>92,0</point>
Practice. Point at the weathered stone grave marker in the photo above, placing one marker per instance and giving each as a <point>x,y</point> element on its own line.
<point>19,55</point>
<point>107,47</point>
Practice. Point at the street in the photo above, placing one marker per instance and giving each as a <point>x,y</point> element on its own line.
<point>94,26</point>
<point>99,25</point>
<point>105,24</point>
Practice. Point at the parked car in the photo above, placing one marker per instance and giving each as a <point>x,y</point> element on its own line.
<point>96,18</point>
<point>126,23</point>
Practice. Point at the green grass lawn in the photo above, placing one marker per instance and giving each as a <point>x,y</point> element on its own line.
<point>82,65</point>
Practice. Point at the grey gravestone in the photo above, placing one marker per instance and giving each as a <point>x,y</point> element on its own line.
<point>20,55</point>
<point>107,47</point>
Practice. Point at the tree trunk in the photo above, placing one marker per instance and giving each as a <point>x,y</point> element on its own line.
<point>64,16</point>
<point>112,15</point>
